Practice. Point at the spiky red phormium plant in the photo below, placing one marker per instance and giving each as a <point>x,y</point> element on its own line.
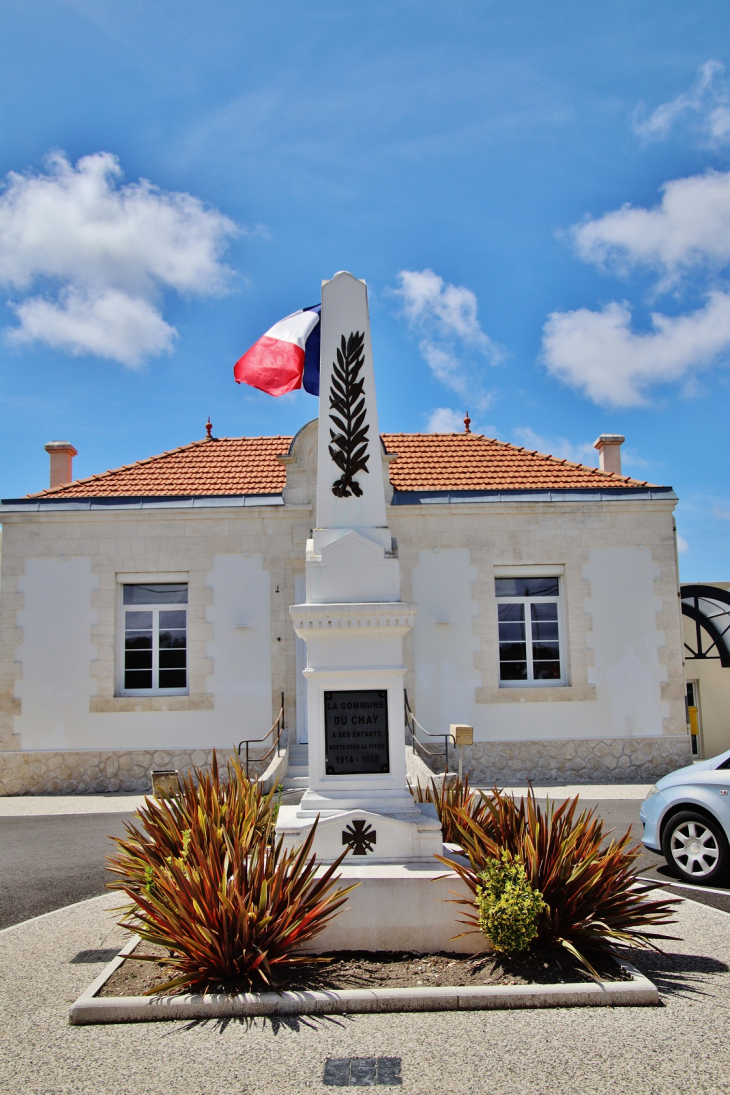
<point>593,901</point>
<point>210,883</point>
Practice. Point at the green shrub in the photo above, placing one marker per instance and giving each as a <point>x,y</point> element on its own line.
<point>593,900</point>
<point>508,906</point>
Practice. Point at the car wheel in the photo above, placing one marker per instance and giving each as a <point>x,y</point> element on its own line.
<point>696,847</point>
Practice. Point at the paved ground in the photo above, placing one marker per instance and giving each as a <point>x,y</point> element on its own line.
<point>55,805</point>
<point>681,1048</point>
<point>47,862</point>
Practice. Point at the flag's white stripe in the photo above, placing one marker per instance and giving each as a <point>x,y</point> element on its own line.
<point>295,328</point>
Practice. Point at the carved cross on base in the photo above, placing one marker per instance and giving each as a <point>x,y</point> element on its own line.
<point>360,837</point>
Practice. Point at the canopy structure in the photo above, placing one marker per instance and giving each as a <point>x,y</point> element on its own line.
<point>709,608</point>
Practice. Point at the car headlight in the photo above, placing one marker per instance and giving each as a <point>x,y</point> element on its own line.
<point>653,790</point>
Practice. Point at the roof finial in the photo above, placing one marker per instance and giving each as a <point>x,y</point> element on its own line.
<point>467,423</point>
<point>209,429</point>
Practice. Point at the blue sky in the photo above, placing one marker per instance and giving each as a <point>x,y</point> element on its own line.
<point>537,195</point>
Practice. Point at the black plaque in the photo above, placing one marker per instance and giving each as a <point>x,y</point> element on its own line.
<point>356,732</point>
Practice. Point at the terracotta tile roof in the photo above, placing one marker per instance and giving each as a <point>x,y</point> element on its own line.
<point>469,461</point>
<point>225,465</point>
<point>426,462</point>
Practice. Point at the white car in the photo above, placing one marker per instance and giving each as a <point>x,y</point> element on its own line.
<point>686,817</point>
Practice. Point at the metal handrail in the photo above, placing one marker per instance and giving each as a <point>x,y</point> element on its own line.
<point>413,724</point>
<point>278,726</point>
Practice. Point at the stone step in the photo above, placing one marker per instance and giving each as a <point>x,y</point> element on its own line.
<point>295,770</point>
<point>295,782</point>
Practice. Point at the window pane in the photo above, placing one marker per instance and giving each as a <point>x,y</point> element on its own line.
<point>138,659</point>
<point>166,593</point>
<point>169,639</point>
<point>511,652</point>
<point>173,619</point>
<point>545,630</point>
<point>546,671</point>
<point>526,587</point>
<point>545,611</point>
<point>138,679</point>
<point>173,678</point>
<point>510,632</point>
<point>172,659</point>
<point>138,640</point>
<point>513,671</point>
<point>545,652</point>
<point>134,620</point>
<point>510,612</point>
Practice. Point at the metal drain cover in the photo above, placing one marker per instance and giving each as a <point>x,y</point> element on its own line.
<point>362,1072</point>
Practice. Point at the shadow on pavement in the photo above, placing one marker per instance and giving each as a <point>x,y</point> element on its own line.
<point>679,974</point>
<point>277,1023</point>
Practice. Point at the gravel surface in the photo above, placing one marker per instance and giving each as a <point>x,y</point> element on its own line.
<point>681,1047</point>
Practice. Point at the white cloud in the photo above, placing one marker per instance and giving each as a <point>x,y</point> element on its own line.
<point>630,458</point>
<point>599,354</point>
<point>450,309</point>
<point>445,420</point>
<point>100,253</point>
<point>112,325</point>
<point>451,340</point>
<point>690,228</point>
<point>705,108</point>
<point>682,544</point>
<point>582,453</point>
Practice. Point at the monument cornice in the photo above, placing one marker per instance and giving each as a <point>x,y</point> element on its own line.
<point>349,670</point>
<point>393,617</point>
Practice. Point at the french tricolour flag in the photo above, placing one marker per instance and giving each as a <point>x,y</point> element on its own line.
<point>286,357</point>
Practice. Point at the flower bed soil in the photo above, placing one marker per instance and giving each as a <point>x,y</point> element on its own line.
<point>364,970</point>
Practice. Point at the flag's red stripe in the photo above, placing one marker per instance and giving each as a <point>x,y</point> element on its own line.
<point>271,365</point>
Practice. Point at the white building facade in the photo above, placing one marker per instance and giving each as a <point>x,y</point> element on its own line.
<point>144,613</point>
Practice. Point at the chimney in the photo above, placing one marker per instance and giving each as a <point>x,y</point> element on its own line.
<point>609,452</point>
<point>62,454</point>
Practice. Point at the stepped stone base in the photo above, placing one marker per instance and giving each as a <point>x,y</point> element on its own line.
<point>398,907</point>
<point>92,771</point>
<point>596,760</point>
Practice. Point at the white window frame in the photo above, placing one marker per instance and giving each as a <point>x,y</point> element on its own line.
<point>150,579</point>
<point>533,572</point>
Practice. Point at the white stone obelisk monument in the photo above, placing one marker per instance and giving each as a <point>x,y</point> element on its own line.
<point>353,623</point>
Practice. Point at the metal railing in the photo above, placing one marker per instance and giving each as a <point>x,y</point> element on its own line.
<point>413,724</point>
<point>278,727</point>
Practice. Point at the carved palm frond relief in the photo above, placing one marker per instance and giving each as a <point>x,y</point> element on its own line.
<point>349,442</point>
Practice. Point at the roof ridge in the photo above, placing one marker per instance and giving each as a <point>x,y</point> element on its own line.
<point>428,462</point>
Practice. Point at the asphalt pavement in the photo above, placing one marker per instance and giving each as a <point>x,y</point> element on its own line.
<point>622,814</point>
<point>48,861</point>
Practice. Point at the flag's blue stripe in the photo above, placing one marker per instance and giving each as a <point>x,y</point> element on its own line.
<point>310,380</point>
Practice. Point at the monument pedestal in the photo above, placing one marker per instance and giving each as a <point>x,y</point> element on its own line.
<point>398,907</point>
